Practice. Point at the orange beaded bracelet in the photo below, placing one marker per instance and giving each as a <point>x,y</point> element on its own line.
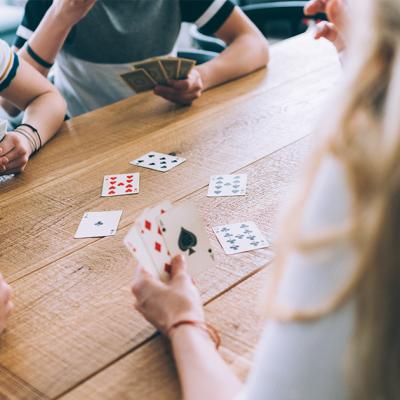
<point>209,329</point>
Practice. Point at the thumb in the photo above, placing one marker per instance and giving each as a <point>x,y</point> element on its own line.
<point>178,267</point>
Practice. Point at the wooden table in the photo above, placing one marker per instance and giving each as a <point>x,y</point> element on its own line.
<point>73,333</point>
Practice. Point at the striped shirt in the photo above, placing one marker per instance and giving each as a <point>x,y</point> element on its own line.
<point>8,65</point>
<point>114,35</point>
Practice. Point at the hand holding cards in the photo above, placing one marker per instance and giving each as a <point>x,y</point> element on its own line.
<point>164,231</point>
<point>157,71</point>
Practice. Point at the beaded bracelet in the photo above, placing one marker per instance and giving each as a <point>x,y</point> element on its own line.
<point>209,329</point>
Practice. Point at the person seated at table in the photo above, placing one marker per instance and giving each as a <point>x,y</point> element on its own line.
<point>6,304</point>
<point>94,42</point>
<point>333,30</point>
<point>44,109</point>
<point>333,329</point>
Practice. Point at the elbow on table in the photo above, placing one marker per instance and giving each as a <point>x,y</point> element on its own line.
<point>263,51</point>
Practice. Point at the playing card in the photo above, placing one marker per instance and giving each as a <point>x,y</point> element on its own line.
<point>149,230</point>
<point>139,80</point>
<point>3,129</point>
<point>184,233</point>
<point>98,224</point>
<point>136,246</point>
<point>158,161</point>
<point>185,66</point>
<point>171,66</point>
<point>155,69</point>
<point>240,237</point>
<point>227,185</point>
<point>120,184</point>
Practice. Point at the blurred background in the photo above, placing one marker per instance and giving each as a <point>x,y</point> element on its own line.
<point>276,19</point>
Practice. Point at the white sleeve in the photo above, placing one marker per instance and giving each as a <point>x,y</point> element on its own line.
<point>8,65</point>
<point>298,361</point>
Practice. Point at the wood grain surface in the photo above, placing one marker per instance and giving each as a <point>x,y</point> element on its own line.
<point>74,332</point>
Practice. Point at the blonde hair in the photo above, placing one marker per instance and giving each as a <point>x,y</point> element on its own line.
<point>366,141</point>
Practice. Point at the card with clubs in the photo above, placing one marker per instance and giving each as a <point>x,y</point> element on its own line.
<point>227,185</point>
<point>158,161</point>
<point>149,230</point>
<point>184,233</point>
<point>240,237</point>
<point>155,69</point>
<point>120,184</point>
<point>139,80</point>
<point>98,224</point>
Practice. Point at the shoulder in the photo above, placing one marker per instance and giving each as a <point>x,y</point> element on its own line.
<point>33,15</point>
<point>208,15</point>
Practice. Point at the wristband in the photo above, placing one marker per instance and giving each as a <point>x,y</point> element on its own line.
<point>209,329</point>
<point>37,58</point>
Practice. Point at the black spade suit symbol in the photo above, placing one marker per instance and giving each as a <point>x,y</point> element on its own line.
<point>187,240</point>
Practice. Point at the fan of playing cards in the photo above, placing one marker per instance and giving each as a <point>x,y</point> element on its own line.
<point>165,231</point>
<point>157,71</point>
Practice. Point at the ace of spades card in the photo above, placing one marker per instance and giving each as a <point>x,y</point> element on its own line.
<point>184,233</point>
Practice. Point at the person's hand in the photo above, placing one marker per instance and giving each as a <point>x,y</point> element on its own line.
<point>163,304</point>
<point>71,11</point>
<point>329,31</point>
<point>315,6</point>
<point>336,11</point>
<point>182,91</point>
<point>6,304</point>
<point>15,150</point>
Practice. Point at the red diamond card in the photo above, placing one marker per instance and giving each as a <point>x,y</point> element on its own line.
<point>120,184</point>
<point>149,230</point>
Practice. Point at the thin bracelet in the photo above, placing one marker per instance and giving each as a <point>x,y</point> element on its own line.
<point>29,138</point>
<point>209,329</point>
<point>28,134</point>
<point>37,58</point>
<point>33,130</point>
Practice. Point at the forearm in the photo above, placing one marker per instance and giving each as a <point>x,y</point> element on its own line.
<point>202,371</point>
<point>47,40</point>
<point>245,54</point>
<point>38,114</point>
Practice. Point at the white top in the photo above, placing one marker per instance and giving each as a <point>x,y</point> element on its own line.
<point>8,65</point>
<point>304,361</point>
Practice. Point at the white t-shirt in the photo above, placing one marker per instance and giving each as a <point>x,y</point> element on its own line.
<point>305,361</point>
<point>8,65</point>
